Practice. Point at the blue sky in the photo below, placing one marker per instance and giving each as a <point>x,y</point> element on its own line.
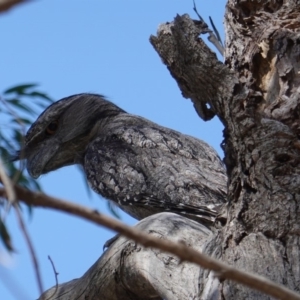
<point>71,47</point>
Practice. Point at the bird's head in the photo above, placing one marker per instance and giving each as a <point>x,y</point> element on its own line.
<point>62,132</point>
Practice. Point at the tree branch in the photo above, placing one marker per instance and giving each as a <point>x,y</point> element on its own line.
<point>199,74</point>
<point>214,36</point>
<point>183,252</point>
<point>7,4</point>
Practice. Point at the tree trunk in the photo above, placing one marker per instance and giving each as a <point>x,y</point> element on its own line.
<point>262,147</point>
<point>259,107</point>
<point>256,96</point>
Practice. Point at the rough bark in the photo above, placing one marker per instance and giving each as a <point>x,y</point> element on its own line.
<point>262,148</point>
<point>261,119</point>
<point>128,271</point>
<point>256,96</point>
<point>200,76</point>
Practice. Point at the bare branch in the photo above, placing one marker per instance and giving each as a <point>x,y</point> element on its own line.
<point>183,252</point>
<point>7,4</point>
<point>199,74</point>
<point>56,277</point>
<point>11,196</point>
<point>214,37</point>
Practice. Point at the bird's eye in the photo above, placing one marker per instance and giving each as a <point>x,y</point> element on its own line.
<point>52,127</point>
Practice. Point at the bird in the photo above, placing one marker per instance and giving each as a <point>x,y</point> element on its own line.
<point>144,168</point>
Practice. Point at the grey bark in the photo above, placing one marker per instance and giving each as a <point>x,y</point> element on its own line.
<point>258,106</point>
<point>128,271</point>
<point>255,93</point>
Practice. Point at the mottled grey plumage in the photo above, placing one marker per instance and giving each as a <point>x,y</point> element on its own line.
<point>143,167</point>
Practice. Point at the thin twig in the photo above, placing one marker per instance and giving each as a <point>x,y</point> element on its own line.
<point>30,247</point>
<point>56,277</point>
<point>11,196</point>
<point>215,40</point>
<point>215,30</point>
<point>196,11</point>
<point>257,282</point>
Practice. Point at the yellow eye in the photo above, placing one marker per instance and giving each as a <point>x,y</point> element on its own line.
<point>52,127</point>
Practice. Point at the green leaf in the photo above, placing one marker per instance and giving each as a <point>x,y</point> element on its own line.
<point>40,95</point>
<point>18,110</point>
<point>5,237</point>
<point>8,145</point>
<point>17,103</point>
<point>35,185</point>
<point>18,136</point>
<point>4,154</point>
<point>20,89</point>
<point>30,210</point>
<point>22,120</point>
<point>113,209</point>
